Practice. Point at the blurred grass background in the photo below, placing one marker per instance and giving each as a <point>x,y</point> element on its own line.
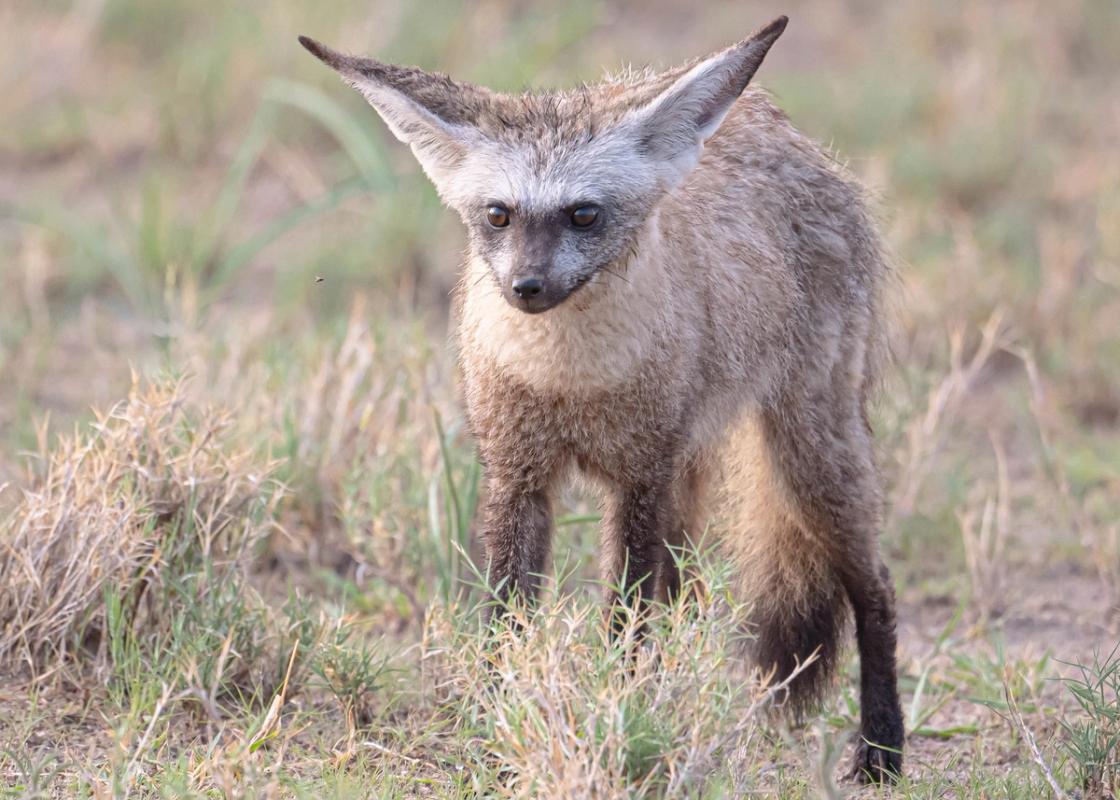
<point>176,176</point>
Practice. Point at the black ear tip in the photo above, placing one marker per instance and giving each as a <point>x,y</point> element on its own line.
<point>776,27</point>
<point>321,52</point>
<point>311,46</point>
<point>765,36</point>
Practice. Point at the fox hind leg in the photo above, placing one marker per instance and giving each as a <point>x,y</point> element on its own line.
<point>824,453</point>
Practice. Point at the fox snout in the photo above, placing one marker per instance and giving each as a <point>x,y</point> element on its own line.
<point>532,290</point>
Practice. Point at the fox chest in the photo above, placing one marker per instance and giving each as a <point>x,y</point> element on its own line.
<point>596,342</point>
<point>616,434</point>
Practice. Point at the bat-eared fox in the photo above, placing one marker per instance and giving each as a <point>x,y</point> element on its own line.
<point>674,292</point>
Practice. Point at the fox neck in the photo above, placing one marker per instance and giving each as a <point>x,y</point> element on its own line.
<point>594,341</point>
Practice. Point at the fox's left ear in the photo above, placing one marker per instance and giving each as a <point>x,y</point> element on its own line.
<point>430,113</point>
<point>673,126</point>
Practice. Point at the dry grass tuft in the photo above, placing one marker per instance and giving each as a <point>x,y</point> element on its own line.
<point>926,432</point>
<point>985,531</point>
<point>568,710</point>
<point>153,485</point>
<point>353,416</point>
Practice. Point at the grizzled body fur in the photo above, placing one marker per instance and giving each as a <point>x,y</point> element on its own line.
<point>715,336</point>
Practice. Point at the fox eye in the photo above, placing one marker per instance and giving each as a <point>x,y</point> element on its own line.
<point>497,216</point>
<point>585,216</point>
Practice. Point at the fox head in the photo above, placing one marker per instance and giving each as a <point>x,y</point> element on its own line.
<point>554,187</point>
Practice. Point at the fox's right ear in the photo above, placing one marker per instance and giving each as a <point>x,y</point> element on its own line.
<point>430,113</point>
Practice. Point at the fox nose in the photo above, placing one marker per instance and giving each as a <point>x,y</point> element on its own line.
<point>528,288</point>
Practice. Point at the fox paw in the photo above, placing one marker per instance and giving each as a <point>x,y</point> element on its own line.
<point>875,765</point>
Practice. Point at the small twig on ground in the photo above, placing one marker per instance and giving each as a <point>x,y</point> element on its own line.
<point>1015,716</point>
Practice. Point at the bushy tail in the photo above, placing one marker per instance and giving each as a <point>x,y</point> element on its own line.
<point>800,609</point>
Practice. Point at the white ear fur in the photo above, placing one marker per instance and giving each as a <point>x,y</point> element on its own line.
<point>672,128</point>
<point>439,145</point>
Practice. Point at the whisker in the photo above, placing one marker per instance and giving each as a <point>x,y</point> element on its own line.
<point>610,271</point>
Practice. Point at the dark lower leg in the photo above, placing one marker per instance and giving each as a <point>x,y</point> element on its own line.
<point>670,577</point>
<point>516,529</point>
<point>635,523</point>
<point>686,529</point>
<point>879,752</point>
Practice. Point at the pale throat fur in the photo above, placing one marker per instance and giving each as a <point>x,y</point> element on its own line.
<point>596,341</point>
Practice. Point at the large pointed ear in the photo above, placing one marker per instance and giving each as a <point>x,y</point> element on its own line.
<point>673,126</point>
<point>430,113</point>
